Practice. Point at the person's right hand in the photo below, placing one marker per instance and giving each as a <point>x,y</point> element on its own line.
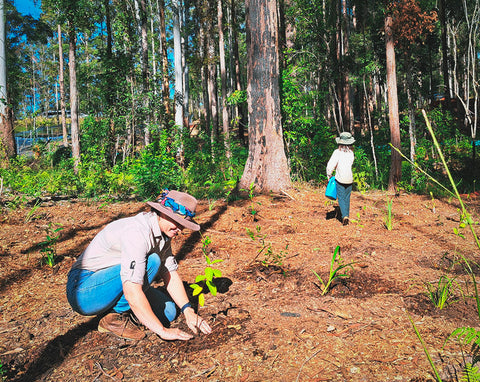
<point>170,334</point>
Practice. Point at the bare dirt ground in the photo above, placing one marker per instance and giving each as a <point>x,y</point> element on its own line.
<point>270,323</point>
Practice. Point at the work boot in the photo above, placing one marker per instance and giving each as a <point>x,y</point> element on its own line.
<point>122,325</point>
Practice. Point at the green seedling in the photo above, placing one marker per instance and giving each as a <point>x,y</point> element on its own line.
<point>441,292</point>
<point>208,275</point>
<point>270,257</point>
<point>265,247</point>
<point>49,245</point>
<point>389,215</point>
<point>31,213</point>
<point>251,195</point>
<point>433,202</point>
<point>336,266</point>
<point>357,221</point>
<point>274,259</point>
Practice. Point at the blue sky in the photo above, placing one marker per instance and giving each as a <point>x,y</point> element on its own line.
<point>28,7</point>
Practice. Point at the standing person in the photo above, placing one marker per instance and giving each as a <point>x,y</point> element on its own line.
<point>341,162</point>
<point>112,276</point>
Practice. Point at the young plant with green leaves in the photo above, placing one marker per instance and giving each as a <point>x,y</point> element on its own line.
<point>49,245</point>
<point>270,257</point>
<point>207,278</point>
<point>251,195</point>
<point>389,215</point>
<point>357,221</point>
<point>31,214</point>
<point>468,337</point>
<point>338,269</point>
<point>441,293</point>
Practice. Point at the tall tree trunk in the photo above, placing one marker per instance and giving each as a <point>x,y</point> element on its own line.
<point>75,128</point>
<point>7,133</point>
<point>212,83</point>
<point>396,159</point>
<point>178,60</point>
<point>142,15</point>
<point>223,77</point>
<point>163,41</point>
<point>266,167</point>
<point>445,62</point>
<point>61,80</point>
<point>242,113</point>
<point>346,104</point>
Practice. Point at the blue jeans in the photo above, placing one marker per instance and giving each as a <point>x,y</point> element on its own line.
<point>343,196</point>
<point>93,293</point>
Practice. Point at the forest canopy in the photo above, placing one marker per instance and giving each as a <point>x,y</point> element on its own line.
<point>119,98</point>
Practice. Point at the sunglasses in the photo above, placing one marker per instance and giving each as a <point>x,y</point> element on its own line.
<point>164,200</point>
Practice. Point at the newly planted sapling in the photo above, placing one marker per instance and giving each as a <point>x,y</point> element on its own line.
<point>389,215</point>
<point>336,265</point>
<point>31,213</point>
<point>251,194</point>
<point>442,292</point>
<point>49,245</point>
<point>208,275</point>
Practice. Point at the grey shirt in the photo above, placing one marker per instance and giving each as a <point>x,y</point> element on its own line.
<point>128,242</point>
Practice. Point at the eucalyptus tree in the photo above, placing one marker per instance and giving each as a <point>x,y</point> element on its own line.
<point>393,117</point>
<point>21,35</point>
<point>61,83</point>
<point>266,167</point>
<point>412,28</point>
<point>469,96</point>
<point>7,136</point>
<point>236,74</point>
<point>76,14</point>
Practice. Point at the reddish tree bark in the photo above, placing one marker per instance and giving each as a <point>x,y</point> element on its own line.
<point>266,166</point>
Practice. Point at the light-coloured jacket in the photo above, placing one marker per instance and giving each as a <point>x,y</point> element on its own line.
<point>341,162</point>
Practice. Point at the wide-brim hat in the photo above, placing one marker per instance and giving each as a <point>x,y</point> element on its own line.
<point>178,206</point>
<point>345,138</point>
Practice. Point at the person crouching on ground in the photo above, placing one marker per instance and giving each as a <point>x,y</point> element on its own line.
<point>341,162</point>
<point>112,276</point>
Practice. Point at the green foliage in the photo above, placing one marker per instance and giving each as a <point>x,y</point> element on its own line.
<point>49,245</point>
<point>467,336</point>
<point>442,292</point>
<point>32,180</point>
<point>154,171</point>
<point>307,136</point>
<point>389,215</point>
<point>2,372</point>
<point>208,276</point>
<point>336,265</point>
<point>427,353</point>
<point>95,138</point>
<point>31,213</point>
<point>270,257</point>
<point>237,97</point>
<point>211,174</point>
<point>251,195</point>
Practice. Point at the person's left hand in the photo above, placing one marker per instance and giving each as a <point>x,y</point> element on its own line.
<point>194,321</point>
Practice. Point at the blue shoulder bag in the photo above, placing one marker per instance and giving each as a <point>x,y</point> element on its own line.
<point>331,190</point>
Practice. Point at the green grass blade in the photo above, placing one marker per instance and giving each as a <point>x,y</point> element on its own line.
<point>437,376</point>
